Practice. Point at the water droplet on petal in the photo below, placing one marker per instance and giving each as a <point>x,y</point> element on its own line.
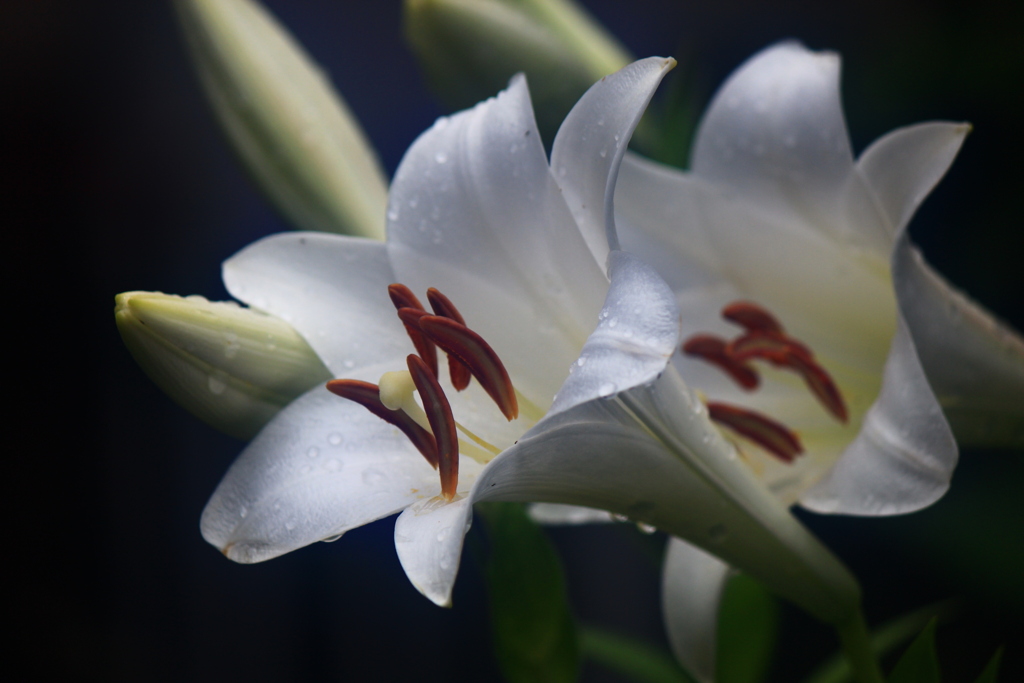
<point>335,438</point>
<point>331,539</point>
<point>645,528</point>
<point>606,389</point>
<point>216,385</point>
<point>374,477</point>
<point>603,153</point>
<point>581,361</point>
<point>313,451</point>
<point>441,157</point>
<point>393,214</point>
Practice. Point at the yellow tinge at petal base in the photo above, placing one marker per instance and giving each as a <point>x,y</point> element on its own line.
<point>232,367</point>
<point>292,130</point>
<point>470,48</point>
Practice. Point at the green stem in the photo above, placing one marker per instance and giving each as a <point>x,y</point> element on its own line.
<point>853,635</point>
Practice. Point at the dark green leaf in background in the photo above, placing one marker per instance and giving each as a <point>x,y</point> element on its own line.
<point>991,672</point>
<point>919,664</point>
<point>747,629</point>
<point>535,638</point>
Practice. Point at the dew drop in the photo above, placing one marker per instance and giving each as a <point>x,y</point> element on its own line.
<point>331,539</point>
<point>619,518</point>
<point>581,361</point>
<point>349,364</point>
<point>445,563</point>
<point>216,385</point>
<point>313,451</point>
<point>243,512</point>
<point>290,526</point>
<point>606,389</point>
<point>603,153</point>
<point>442,535</point>
<point>613,322</point>
<point>393,215</point>
<point>441,157</point>
<point>374,477</point>
<point>335,438</point>
<point>645,528</point>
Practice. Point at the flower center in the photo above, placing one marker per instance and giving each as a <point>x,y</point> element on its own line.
<point>763,339</point>
<point>432,428</point>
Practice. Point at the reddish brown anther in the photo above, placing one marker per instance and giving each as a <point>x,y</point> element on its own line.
<point>402,297</point>
<point>443,306</point>
<point>368,396</point>
<point>477,355</point>
<point>772,436</point>
<point>714,350</point>
<point>442,423</point>
<point>751,316</point>
<point>760,344</point>
<point>818,381</point>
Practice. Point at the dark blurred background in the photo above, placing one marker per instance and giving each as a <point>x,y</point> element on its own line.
<point>115,177</point>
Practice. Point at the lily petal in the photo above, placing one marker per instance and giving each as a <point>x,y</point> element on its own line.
<point>692,583</point>
<point>333,290</point>
<point>903,458</point>
<point>637,333</point>
<point>775,134</point>
<point>475,213</point>
<point>901,167</point>
<point>591,142</point>
<point>429,537</point>
<point>321,467</point>
<point>974,363</point>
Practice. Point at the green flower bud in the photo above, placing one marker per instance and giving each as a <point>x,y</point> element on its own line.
<point>292,130</point>
<point>232,367</point>
<point>470,48</point>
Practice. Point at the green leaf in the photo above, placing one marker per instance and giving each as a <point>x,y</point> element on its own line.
<point>991,671</point>
<point>637,661</point>
<point>885,639</point>
<point>747,631</point>
<point>919,664</point>
<point>535,637</point>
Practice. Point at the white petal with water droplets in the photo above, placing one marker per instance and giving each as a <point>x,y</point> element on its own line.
<point>323,466</point>
<point>333,290</point>
<point>692,583</point>
<point>475,212</point>
<point>903,458</point>
<point>637,333</point>
<point>428,538</point>
<point>589,146</point>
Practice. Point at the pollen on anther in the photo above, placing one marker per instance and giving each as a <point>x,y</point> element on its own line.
<point>770,435</point>
<point>403,297</point>
<point>443,306</point>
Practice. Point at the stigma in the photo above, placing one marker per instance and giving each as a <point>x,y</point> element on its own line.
<point>763,339</point>
<point>432,429</point>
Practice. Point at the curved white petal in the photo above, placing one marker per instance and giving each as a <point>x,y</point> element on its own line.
<point>597,455</point>
<point>589,146</point>
<point>637,333</point>
<point>692,583</point>
<point>428,538</point>
<point>901,167</point>
<point>775,135</point>
<point>475,212</point>
<point>333,290</point>
<point>974,363</point>
<point>323,466</point>
<point>903,458</point>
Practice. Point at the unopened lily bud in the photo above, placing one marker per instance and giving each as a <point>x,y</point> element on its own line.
<point>232,367</point>
<point>290,127</point>
<point>470,48</point>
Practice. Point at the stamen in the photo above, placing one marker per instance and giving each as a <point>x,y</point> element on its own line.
<point>715,351</point>
<point>368,396</point>
<point>476,354</point>
<point>761,344</point>
<point>765,432</point>
<point>751,316</point>
<point>402,297</point>
<point>442,423</point>
<point>818,381</point>
<point>443,306</point>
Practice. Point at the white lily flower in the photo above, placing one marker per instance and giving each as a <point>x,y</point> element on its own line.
<point>519,245</point>
<point>777,212</point>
